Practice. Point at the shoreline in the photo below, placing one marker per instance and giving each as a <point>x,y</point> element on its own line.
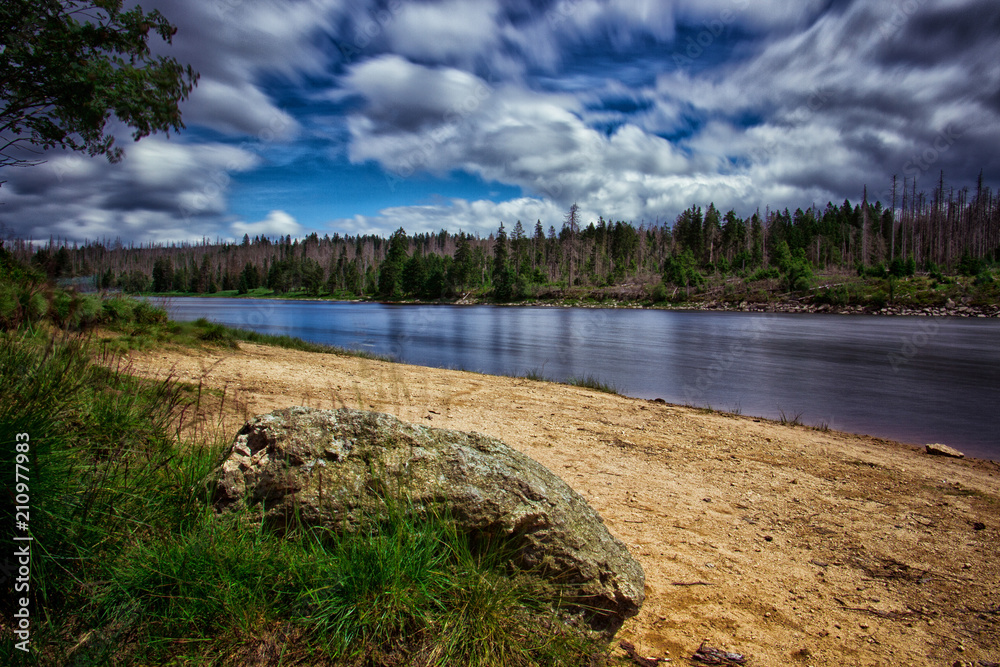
<point>787,307</point>
<point>819,547</point>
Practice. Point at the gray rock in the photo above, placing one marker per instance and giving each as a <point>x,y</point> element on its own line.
<point>330,468</point>
<point>936,449</point>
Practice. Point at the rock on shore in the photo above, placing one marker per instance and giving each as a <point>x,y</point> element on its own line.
<point>332,468</point>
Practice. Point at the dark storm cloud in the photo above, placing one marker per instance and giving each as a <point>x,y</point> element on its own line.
<point>920,33</point>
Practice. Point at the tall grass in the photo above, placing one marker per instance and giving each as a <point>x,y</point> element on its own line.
<point>131,566</point>
<point>593,382</point>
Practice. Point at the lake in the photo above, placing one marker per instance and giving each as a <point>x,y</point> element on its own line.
<point>913,379</point>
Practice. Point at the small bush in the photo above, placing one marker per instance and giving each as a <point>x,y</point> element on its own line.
<point>900,268</point>
<point>10,307</point>
<point>983,278</point>
<point>88,311</point>
<point>213,332</point>
<point>764,273</point>
<point>659,293</point>
<point>838,295</point>
<point>970,266</point>
<point>118,310</point>
<point>146,313</point>
<point>878,300</point>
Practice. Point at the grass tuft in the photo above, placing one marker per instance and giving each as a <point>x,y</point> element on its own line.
<point>592,382</point>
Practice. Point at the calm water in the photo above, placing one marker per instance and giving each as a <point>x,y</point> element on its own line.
<point>916,379</point>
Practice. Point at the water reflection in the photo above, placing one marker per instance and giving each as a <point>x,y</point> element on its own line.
<point>911,379</point>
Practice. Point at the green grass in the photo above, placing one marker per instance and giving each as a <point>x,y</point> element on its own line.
<point>146,335</point>
<point>131,566</point>
<point>535,374</point>
<point>592,382</point>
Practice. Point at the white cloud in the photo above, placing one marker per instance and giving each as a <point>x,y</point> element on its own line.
<point>277,223</point>
<point>480,217</point>
<point>446,31</point>
<point>538,141</point>
<point>239,108</point>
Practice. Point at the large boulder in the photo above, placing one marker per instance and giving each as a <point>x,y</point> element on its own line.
<point>331,468</point>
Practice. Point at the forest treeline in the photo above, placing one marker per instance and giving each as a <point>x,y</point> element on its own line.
<point>954,231</point>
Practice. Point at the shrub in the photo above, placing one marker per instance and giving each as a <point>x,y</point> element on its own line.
<point>88,311</point>
<point>876,271</point>
<point>659,293</point>
<point>969,265</point>
<point>878,300</point>
<point>900,268</point>
<point>118,310</point>
<point>213,332</point>
<point>764,273</point>
<point>146,313</point>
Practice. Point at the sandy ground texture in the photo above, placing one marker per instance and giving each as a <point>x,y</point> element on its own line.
<point>789,545</point>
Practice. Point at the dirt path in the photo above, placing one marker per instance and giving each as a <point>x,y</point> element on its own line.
<point>784,543</point>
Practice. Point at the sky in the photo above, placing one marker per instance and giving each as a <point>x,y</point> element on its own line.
<point>363,116</point>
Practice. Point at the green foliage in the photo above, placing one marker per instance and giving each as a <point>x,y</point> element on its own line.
<point>312,276</point>
<point>503,273</point>
<point>163,274</point>
<point>794,265</point>
<point>681,270</point>
<point>66,66</point>
<point>969,265</point>
<point>249,279</point>
<point>876,271</point>
<point>902,268</point>
<point>659,293</point>
<point>839,295</point>
<point>764,273</point>
<point>212,332</point>
<point>26,303</point>
<point>390,275</point>
<point>131,566</point>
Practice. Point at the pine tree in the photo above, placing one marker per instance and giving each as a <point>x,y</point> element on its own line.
<point>460,270</point>
<point>391,270</point>
<point>163,274</point>
<point>503,277</point>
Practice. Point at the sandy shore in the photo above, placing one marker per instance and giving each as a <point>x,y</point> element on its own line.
<point>787,544</point>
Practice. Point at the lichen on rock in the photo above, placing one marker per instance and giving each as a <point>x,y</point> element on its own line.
<point>331,468</point>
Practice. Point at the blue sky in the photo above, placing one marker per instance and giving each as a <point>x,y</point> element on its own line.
<point>360,116</point>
